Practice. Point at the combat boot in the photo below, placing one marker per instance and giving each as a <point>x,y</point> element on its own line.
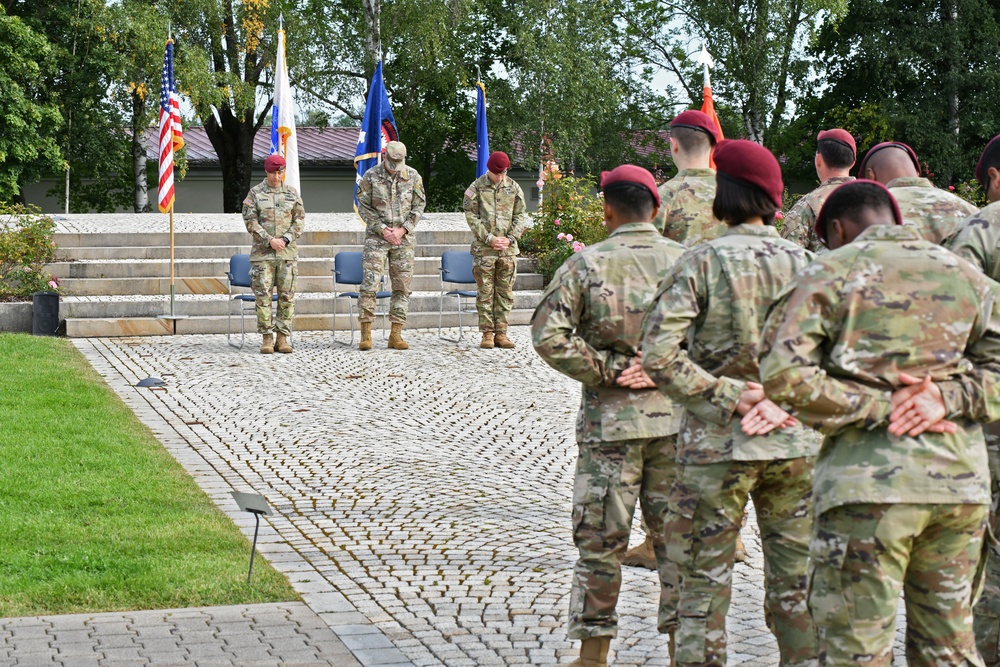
<point>282,344</point>
<point>487,343</point>
<point>267,345</point>
<point>642,555</point>
<point>504,342</point>
<point>593,653</point>
<point>396,341</point>
<point>366,336</point>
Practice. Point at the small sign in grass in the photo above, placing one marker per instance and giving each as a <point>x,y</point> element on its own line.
<point>94,514</point>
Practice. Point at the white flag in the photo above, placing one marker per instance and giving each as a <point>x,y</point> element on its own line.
<point>283,135</point>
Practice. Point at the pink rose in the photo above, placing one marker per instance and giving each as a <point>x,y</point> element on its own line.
<point>561,236</point>
<point>53,284</point>
<point>951,187</point>
<point>779,216</point>
<point>557,222</point>
<point>540,183</point>
<point>577,246</point>
<point>569,238</point>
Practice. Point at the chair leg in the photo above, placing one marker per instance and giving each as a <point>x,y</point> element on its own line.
<point>440,312</point>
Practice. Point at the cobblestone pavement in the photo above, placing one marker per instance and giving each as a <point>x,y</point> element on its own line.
<point>426,493</point>
<point>262,635</point>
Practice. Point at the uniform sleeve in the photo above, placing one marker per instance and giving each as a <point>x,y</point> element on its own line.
<point>976,241</point>
<point>470,204</point>
<point>298,219</point>
<point>251,219</point>
<point>976,395</point>
<point>417,205</point>
<point>800,325</point>
<point>371,217</point>
<point>519,217</point>
<point>555,330</point>
<point>681,297</point>
<point>796,225</point>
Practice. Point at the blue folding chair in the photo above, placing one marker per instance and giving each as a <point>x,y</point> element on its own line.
<point>239,276</point>
<point>456,267</point>
<point>349,270</point>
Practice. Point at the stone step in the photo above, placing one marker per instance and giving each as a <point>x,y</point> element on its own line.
<point>151,326</point>
<point>124,253</point>
<point>242,238</point>
<point>154,286</point>
<point>213,266</point>
<point>206,305</point>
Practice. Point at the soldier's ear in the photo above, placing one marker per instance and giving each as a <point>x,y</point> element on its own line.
<point>992,180</point>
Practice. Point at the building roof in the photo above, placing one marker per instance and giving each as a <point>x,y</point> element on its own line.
<point>334,146</point>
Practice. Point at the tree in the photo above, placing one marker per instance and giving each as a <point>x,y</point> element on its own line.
<point>225,55</point>
<point>28,121</point>
<point>927,72</point>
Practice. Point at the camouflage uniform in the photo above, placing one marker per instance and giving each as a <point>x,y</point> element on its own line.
<point>494,210</point>
<point>686,213</point>
<point>389,200</point>
<point>713,304</point>
<point>892,512</point>
<point>587,326</point>
<point>935,212</point>
<point>799,225</point>
<point>978,240</point>
<point>272,213</point>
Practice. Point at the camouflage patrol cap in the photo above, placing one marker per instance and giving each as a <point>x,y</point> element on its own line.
<point>840,136</point>
<point>989,158</point>
<point>849,196</point>
<point>395,155</point>
<point>697,120</point>
<point>888,144</point>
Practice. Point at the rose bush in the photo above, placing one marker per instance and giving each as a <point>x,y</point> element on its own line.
<point>26,246</point>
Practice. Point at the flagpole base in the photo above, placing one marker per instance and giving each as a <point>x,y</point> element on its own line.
<point>173,319</point>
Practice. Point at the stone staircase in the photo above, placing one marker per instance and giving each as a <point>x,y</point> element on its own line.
<point>117,283</point>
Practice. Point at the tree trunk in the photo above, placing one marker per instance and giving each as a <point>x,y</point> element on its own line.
<point>373,10</point>
<point>951,66</point>
<point>233,143</point>
<point>141,183</point>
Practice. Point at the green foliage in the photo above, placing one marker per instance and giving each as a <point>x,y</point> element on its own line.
<point>26,246</point>
<point>972,192</point>
<point>28,121</point>
<point>570,209</point>
<point>97,515</point>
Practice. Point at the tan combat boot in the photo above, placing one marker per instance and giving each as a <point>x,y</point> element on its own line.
<point>267,345</point>
<point>504,342</point>
<point>641,556</point>
<point>487,343</point>
<point>282,345</point>
<point>396,341</point>
<point>366,336</point>
<point>741,551</point>
<point>593,653</point>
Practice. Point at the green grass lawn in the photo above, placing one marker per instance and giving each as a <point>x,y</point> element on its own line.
<point>94,514</point>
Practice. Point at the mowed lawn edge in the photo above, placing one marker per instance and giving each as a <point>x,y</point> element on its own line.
<point>95,515</point>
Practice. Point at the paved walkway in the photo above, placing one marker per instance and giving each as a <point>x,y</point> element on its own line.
<point>421,497</point>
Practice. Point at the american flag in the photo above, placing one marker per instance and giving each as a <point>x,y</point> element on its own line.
<point>171,138</point>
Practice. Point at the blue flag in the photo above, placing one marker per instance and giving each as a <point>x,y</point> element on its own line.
<point>377,129</point>
<point>482,134</point>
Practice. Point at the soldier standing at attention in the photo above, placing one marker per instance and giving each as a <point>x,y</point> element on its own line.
<point>700,344</point>
<point>275,217</point>
<point>587,326</point>
<point>935,212</point>
<point>494,208</point>
<point>978,240</point>
<point>875,344</point>
<point>835,155</point>
<point>686,214</point>
<point>390,201</point>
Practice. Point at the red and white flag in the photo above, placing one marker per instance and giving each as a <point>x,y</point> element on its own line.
<point>171,138</point>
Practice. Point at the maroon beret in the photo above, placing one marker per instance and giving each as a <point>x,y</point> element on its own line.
<point>629,173</point>
<point>498,162</point>
<point>273,163</point>
<point>989,158</point>
<point>846,190</point>
<point>840,136</point>
<point>888,144</point>
<point>750,163</point>
<point>697,120</point>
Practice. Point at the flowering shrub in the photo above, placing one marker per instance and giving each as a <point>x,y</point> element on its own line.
<point>971,191</point>
<point>26,246</point>
<point>570,218</point>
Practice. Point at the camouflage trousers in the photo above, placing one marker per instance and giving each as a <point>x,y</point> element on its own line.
<point>495,282</point>
<point>986,620</point>
<point>400,273</point>
<point>864,554</point>
<point>704,517</point>
<point>609,478</point>
<point>264,276</point>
